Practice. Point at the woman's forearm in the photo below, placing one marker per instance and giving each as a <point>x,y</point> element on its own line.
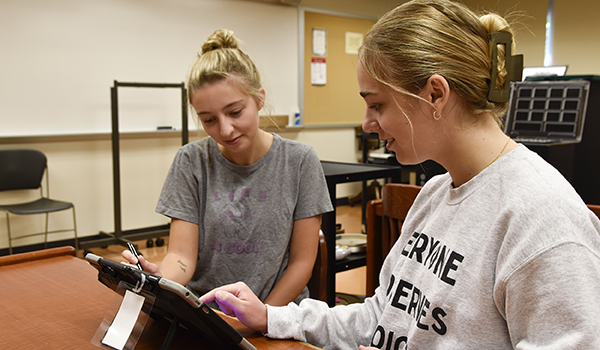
<point>291,284</point>
<point>177,268</point>
<point>303,253</point>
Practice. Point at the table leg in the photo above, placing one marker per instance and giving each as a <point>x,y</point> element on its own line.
<point>328,227</point>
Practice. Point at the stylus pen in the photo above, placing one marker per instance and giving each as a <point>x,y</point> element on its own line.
<point>135,253</point>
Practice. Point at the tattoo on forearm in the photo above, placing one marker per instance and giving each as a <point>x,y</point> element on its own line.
<point>182,266</point>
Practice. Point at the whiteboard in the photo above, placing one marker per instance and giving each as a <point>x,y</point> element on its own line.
<point>60,59</point>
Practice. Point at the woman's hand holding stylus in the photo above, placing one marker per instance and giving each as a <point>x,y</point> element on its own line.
<point>146,265</point>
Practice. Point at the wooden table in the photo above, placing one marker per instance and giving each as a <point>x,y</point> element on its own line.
<point>52,300</point>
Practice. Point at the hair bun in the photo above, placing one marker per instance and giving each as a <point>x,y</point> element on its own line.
<point>495,23</point>
<point>220,39</point>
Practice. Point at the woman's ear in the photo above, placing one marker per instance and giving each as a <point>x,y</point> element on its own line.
<point>260,101</point>
<point>437,91</point>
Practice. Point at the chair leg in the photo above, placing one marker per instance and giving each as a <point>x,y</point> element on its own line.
<point>75,230</point>
<point>9,236</point>
<point>46,233</point>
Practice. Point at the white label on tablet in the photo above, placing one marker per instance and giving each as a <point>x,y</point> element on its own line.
<point>122,326</point>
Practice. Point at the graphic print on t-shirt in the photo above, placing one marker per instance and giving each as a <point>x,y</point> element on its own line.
<point>235,217</point>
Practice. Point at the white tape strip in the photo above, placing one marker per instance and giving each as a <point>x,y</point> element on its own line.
<point>122,326</point>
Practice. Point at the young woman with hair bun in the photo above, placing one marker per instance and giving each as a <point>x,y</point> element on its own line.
<point>498,253</point>
<point>245,204</point>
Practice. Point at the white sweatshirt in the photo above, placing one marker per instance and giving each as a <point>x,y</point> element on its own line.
<point>509,260</point>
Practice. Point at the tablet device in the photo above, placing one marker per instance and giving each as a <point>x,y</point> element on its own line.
<point>174,302</point>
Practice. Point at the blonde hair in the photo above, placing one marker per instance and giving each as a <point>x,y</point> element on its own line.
<point>221,58</point>
<point>425,37</point>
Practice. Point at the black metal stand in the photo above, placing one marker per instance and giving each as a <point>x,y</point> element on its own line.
<point>364,139</point>
<point>337,173</point>
<point>170,334</point>
<point>119,236</point>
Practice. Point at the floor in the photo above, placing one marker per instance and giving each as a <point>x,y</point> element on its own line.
<point>348,282</point>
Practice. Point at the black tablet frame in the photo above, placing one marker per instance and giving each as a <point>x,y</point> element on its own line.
<point>174,303</point>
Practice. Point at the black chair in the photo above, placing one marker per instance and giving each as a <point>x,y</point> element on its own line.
<point>24,170</point>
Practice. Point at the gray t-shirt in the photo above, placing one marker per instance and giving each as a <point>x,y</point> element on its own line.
<point>245,214</point>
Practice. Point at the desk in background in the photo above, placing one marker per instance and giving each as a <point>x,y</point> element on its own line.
<point>336,173</point>
<point>53,300</point>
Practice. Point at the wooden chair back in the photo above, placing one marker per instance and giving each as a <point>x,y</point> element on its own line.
<point>595,208</point>
<point>384,225</point>
<point>317,285</point>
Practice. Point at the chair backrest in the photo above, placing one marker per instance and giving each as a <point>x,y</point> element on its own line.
<point>594,208</point>
<point>21,169</point>
<point>317,285</point>
<point>384,225</point>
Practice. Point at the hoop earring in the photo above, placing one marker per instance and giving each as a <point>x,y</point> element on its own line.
<point>438,118</point>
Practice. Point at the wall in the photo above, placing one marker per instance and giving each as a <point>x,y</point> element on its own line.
<point>81,168</point>
<point>576,35</point>
<point>338,101</point>
<point>372,10</point>
<point>60,59</point>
